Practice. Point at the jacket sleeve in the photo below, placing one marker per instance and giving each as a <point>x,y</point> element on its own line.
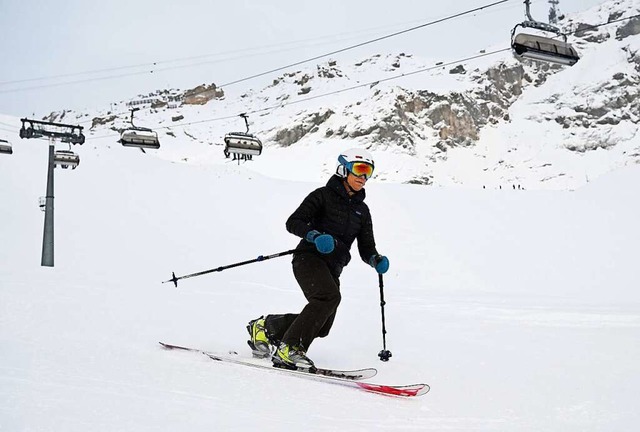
<point>366,241</point>
<point>301,221</point>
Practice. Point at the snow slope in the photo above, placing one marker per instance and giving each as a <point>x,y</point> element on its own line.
<point>519,308</point>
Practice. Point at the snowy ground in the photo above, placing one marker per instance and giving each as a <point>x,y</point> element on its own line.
<point>519,308</point>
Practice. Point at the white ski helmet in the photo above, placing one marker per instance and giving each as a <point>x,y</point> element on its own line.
<point>348,158</point>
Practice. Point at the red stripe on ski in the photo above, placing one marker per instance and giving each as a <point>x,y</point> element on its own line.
<point>415,390</point>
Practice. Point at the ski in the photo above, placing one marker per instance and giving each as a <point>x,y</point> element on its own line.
<point>340,379</point>
<point>358,374</point>
<point>389,390</point>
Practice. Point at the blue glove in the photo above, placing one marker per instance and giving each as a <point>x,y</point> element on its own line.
<point>324,242</point>
<point>380,263</point>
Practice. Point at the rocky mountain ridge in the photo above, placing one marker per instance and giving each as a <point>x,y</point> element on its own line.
<point>512,117</point>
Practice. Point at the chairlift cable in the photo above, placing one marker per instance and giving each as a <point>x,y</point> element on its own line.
<point>8,130</point>
<point>180,59</point>
<point>409,73</point>
<point>256,75</point>
<point>7,124</point>
<point>148,65</point>
<point>178,125</point>
<point>367,84</point>
<point>357,45</point>
<point>382,80</point>
<point>62,84</point>
<point>601,25</point>
<point>349,35</point>
<point>152,68</point>
<point>364,43</point>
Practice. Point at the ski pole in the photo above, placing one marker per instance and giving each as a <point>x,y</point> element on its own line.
<point>175,279</point>
<point>385,354</point>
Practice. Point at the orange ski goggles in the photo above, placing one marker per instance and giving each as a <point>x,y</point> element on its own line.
<point>360,169</point>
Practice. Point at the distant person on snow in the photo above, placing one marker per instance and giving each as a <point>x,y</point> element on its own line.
<point>328,220</point>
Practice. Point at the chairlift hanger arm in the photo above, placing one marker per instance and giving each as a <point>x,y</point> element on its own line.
<point>246,120</point>
<point>542,26</point>
<point>532,23</point>
<point>527,5</point>
<point>132,111</point>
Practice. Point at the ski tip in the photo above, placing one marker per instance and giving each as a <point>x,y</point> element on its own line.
<point>424,390</point>
<point>171,346</point>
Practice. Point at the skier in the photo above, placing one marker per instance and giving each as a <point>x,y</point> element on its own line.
<point>328,220</point>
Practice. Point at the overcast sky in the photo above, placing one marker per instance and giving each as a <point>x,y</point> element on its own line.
<point>221,41</point>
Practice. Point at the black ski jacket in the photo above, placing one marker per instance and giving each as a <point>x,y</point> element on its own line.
<point>330,210</point>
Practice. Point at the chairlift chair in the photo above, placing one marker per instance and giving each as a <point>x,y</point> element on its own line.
<point>536,47</point>
<point>242,143</point>
<point>66,159</point>
<point>5,147</point>
<point>140,137</point>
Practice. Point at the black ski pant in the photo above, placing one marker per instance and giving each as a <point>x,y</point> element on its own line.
<point>322,291</point>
